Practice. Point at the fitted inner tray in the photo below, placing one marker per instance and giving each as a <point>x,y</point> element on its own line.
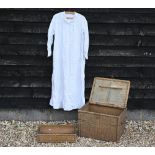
<point>57,133</point>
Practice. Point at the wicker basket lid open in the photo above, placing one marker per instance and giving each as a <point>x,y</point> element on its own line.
<point>110,92</point>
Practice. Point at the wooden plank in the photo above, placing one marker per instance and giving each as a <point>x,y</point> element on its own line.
<point>8,62</point>
<point>100,50</point>
<point>33,82</point>
<point>99,17</point>
<point>19,38</point>
<point>121,61</point>
<point>134,95</point>
<point>25,71</point>
<point>40,50</point>
<point>56,138</point>
<point>24,60</point>
<point>24,103</point>
<point>45,92</point>
<point>57,129</point>
<point>136,41</point>
<point>122,29</point>
<point>137,83</point>
<point>45,82</point>
<point>94,50</point>
<point>147,104</point>
<point>23,27</point>
<point>94,10</point>
<point>41,39</point>
<point>45,72</point>
<point>25,92</point>
<point>142,94</point>
<point>97,28</point>
<point>120,18</point>
<point>122,72</point>
<point>93,61</point>
<point>17,15</point>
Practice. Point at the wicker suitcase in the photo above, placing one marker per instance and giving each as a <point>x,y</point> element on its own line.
<point>104,116</point>
<point>57,133</point>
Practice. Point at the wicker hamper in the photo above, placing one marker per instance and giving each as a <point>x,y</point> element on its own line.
<point>104,116</point>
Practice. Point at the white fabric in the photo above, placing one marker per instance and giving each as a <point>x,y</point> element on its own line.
<point>71,45</point>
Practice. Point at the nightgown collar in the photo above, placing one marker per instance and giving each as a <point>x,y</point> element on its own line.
<point>65,15</point>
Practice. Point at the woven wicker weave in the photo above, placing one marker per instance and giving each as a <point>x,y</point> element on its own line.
<point>57,133</point>
<point>103,117</point>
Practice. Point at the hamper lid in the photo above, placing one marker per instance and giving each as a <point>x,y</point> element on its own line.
<point>110,92</point>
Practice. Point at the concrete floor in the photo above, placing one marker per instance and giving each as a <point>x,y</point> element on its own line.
<point>58,115</point>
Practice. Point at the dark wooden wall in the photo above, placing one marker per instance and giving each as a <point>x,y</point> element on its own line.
<point>122,46</point>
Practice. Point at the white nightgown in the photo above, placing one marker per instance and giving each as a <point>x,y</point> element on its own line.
<point>71,45</point>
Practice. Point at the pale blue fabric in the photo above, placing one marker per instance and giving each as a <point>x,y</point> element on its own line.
<point>71,45</point>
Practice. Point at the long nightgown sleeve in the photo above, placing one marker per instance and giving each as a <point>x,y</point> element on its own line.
<point>50,37</point>
<point>86,38</point>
